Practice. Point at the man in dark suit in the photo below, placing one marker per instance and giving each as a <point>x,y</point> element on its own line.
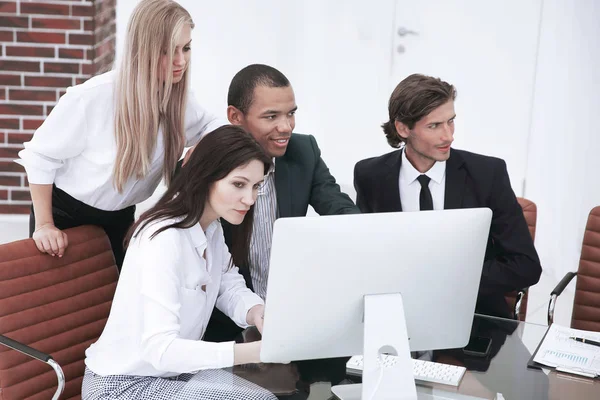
<point>427,174</point>
<point>262,101</point>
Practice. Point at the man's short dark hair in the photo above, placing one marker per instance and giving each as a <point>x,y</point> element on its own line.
<point>414,98</point>
<point>241,88</point>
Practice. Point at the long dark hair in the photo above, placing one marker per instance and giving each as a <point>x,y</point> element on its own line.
<point>217,154</point>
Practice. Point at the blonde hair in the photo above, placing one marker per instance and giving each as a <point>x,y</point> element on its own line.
<point>143,102</point>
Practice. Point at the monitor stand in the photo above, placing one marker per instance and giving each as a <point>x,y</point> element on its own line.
<point>385,333</point>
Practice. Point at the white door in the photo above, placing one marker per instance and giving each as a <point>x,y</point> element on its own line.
<point>487,50</point>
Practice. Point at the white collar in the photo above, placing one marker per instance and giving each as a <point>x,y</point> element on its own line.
<point>199,237</point>
<point>409,173</point>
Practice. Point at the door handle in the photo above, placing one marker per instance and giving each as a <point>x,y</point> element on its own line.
<point>402,31</point>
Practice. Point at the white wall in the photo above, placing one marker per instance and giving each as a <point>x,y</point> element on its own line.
<point>563,174</point>
<point>339,60</point>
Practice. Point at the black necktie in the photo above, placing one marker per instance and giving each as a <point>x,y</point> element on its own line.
<point>425,199</point>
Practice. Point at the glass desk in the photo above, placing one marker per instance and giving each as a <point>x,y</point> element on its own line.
<point>503,371</point>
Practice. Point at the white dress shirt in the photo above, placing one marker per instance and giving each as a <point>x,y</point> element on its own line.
<point>75,147</point>
<point>160,311</point>
<point>410,188</point>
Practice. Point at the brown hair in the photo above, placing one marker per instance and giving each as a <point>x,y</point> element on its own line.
<point>414,98</point>
<point>217,154</point>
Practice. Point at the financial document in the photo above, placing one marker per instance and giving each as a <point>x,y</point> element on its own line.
<point>558,350</point>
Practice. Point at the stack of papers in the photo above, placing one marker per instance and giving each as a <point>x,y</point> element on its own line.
<point>559,351</point>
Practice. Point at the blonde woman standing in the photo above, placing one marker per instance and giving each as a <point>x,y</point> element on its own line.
<point>109,141</point>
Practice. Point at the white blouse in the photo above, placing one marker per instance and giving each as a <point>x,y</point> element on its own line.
<point>75,147</point>
<point>160,311</point>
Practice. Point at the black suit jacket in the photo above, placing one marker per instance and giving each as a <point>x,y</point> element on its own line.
<point>472,180</point>
<point>303,179</point>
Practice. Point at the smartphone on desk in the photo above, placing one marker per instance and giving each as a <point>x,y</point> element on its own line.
<point>479,346</point>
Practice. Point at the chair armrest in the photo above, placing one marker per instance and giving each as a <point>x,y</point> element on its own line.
<point>557,292</point>
<point>38,355</point>
<point>563,283</point>
<point>23,348</point>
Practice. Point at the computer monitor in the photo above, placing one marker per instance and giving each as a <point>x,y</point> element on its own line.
<point>371,284</point>
<point>322,267</point>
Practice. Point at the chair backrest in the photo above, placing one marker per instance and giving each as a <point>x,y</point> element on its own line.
<point>586,305</point>
<point>56,305</point>
<point>530,213</point>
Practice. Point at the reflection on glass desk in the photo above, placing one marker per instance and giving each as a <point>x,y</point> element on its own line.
<point>503,371</point>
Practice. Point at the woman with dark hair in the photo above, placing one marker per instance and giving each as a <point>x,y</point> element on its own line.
<point>176,269</point>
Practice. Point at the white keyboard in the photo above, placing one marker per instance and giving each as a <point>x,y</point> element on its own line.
<point>423,371</point>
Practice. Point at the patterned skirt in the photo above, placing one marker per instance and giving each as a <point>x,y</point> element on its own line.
<point>214,384</point>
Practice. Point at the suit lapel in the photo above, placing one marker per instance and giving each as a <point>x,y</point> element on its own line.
<point>390,196</point>
<point>456,177</point>
<point>283,188</point>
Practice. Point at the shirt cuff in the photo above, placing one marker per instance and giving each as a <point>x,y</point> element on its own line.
<point>37,176</point>
<point>189,356</point>
<point>225,354</point>
<point>246,302</point>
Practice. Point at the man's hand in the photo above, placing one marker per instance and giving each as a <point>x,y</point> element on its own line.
<point>49,239</point>
<point>255,317</point>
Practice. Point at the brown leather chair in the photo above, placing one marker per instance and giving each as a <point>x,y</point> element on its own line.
<point>57,306</point>
<point>518,299</point>
<point>586,305</point>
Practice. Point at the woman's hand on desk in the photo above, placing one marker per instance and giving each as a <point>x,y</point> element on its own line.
<point>49,239</point>
<point>255,316</point>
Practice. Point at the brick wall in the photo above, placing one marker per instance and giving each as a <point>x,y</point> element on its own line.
<point>46,46</point>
